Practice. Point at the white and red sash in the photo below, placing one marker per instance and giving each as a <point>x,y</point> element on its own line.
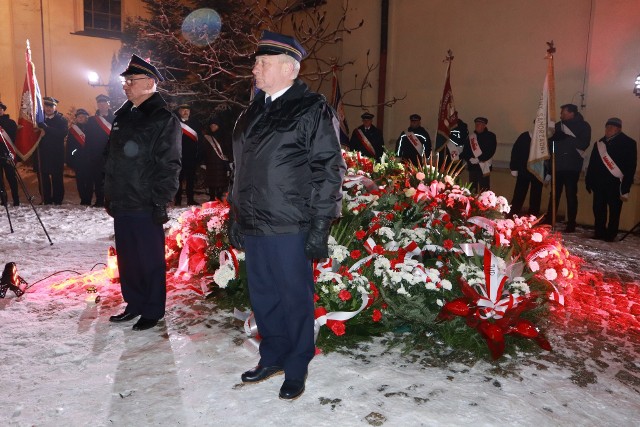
<point>366,143</point>
<point>216,147</point>
<point>608,161</point>
<point>477,152</point>
<point>417,144</point>
<point>186,130</point>
<point>454,150</point>
<point>78,134</point>
<point>7,139</point>
<point>104,124</point>
<point>565,129</point>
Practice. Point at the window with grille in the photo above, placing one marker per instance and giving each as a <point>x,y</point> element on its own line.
<point>105,15</point>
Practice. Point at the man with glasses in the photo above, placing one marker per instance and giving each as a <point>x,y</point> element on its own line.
<point>141,178</point>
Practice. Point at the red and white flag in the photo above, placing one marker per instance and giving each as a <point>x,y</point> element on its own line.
<point>545,118</point>
<point>447,114</point>
<point>31,112</point>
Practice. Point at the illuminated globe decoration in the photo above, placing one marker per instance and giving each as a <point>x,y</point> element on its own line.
<point>201,26</point>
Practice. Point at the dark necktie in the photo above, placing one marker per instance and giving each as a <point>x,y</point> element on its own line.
<point>267,102</point>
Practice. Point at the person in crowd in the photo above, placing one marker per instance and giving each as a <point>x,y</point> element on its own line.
<point>450,150</point>
<point>286,192</point>
<point>141,179</point>
<point>49,156</point>
<point>8,129</point>
<point>191,140</point>
<point>414,144</point>
<point>478,152</point>
<point>568,144</point>
<point>367,139</point>
<point>78,156</point>
<point>216,147</point>
<point>609,177</point>
<point>524,178</point>
<point>97,130</point>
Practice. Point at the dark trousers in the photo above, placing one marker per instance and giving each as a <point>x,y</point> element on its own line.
<point>97,184</point>
<point>84,182</point>
<point>52,186</point>
<point>187,174</point>
<point>281,292</point>
<point>141,264</point>
<point>569,181</point>
<point>523,181</point>
<point>479,182</point>
<point>10,172</point>
<point>606,199</point>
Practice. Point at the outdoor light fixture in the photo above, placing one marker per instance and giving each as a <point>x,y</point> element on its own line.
<point>11,281</point>
<point>636,88</point>
<point>93,79</point>
<point>112,265</point>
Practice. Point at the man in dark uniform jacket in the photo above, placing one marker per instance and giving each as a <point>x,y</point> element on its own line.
<point>524,178</point>
<point>478,151</point>
<point>191,140</point>
<point>568,144</point>
<point>413,142</point>
<point>451,149</point>
<point>216,147</point>
<point>98,129</point>
<point>78,156</point>
<point>285,194</point>
<point>49,156</point>
<point>8,129</point>
<point>610,173</point>
<point>141,178</point>
<point>367,138</point>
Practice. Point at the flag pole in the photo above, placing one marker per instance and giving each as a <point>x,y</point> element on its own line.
<point>436,150</point>
<point>552,117</point>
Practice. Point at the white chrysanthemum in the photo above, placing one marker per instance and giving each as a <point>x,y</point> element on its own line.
<point>440,302</point>
<point>534,266</point>
<point>446,284</point>
<point>386,232</point>
<point>381,266</point>
<point>536,237</point>
<point>550,274</point>
<point>338,252</point>
<point>224,275</point>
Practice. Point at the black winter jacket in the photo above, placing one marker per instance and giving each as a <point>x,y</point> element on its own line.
<point>143,156</point>
<point>568,158</point>
<point>288,163</point>
<point>623,150</point>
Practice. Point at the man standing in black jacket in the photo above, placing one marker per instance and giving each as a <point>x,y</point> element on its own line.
<point>8,129</point>
<point>609,176</point>
<point>285,194</point>
<point>414,144</point>
<point>524,178</point>
<point>98,130</point>
<point>478,151</point>
<point>367,139</point>
<point>141,178</point>
<point>49,156</point>
<point>191,140</point>
<point>568,144</point>
<point>78,156</point>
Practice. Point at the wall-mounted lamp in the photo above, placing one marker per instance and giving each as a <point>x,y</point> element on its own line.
<point>636,88</point>
<point>94,79</point>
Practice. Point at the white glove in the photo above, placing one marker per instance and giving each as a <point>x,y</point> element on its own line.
<point>624,197</point>
<point>474,161</point>
<point>547,178</point>
<point>514,173</point>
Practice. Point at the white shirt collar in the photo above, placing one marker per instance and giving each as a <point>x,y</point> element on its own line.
<point>278,94</point>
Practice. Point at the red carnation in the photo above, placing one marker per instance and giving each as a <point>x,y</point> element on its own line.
<point>344,295</point>
<point>448,244</point>
<point>446,218</point>
<point>315,297</point>
<point>448,226</point>
<point>377,315</point>
<point>355,254</point>
<point>336,327</point>
<point>390,216</point>
<point>360,234</point>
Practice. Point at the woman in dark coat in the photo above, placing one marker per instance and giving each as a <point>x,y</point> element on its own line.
<point>217,155</point>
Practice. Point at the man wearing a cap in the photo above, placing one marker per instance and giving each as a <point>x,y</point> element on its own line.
<point>49,156</point>
<point>98,129</point>
<point>524,179</point>
<point>367,139</point>
<point>78,156</point>
<point>141,178</point>
<point>8,129</point>
<point>478,151</point>
<point>191,139</point>
<point>414,144</point>
<point>568,144</point>
<point>285,194</point>
<point>216,147</point>
<point>610,173</point>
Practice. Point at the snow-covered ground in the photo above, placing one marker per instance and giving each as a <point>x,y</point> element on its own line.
<point>63,364</point>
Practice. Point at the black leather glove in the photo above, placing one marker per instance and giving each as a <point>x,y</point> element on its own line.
<point>235,236</point>
<point>317,244</point>
<point>107,207</point>
<point>159,214</point>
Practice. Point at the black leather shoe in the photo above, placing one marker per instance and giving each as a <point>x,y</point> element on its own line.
<point>291,389</point>
<point>143,323</point>
<point>261,373</point>
<point>122,317</point>
<point>570,228</point>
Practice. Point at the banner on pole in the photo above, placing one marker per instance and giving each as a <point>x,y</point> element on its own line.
<point>31,112</point>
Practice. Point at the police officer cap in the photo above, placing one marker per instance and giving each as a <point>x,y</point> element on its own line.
<point>80,111</point>
<point>184,107</point>
<point>366,116</point>
<point>481,120</point>
<point>138,65</point>
<point>2,106</point>
<point>48,100</point>
<point>415,117</point>
<point>279,44</point>
<point>102,98</point>
<point>614,121</point>
<point>572,108</point>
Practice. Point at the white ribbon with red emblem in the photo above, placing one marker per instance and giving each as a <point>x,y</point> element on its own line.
<point>369,245</point>
<point>341,316</point>
<point>351,180</point>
